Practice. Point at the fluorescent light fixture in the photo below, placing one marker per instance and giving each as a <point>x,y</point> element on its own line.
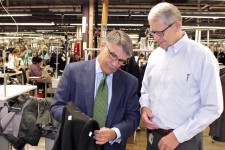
<point>62,10</point>
<point>118,15</point>
<point>28,24</point>
<point>130,25</point>
<point>75,24</point>
<point>203,27</point>
<point>64,32</point>
<point>212,17</point>
<point>141,15</point>
<point>15,15</point>
<point>134,36</point>
<point>134,25</point>
<point>44,30</point>
<point>70,14</point>
<point>11,37</point>
<point>6,33</point>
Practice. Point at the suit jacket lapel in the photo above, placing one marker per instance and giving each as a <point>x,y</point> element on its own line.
<point>117,91</point>
<point>89,84</point>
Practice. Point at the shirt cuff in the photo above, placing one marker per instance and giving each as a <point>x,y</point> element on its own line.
<point>118,136</point>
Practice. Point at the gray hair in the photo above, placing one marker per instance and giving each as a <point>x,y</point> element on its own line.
<point>120,38</point>
<point>166,12</point>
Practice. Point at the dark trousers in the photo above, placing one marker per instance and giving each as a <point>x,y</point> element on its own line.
<point>195,143</point>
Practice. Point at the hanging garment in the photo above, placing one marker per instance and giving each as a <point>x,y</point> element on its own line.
<point>217,128</point>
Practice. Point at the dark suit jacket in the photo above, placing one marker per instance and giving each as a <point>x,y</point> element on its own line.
<point>74,133</point>
<point>77,84</point>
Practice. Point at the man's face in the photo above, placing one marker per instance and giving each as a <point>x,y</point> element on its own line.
<point>111,58</point>
<point>162,34</point>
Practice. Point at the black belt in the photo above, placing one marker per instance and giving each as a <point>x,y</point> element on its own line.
<point>162,131</point>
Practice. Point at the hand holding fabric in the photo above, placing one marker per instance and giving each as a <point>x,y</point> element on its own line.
<point>104,135</point>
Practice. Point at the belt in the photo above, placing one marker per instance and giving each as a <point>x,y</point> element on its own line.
<point>162,131</point>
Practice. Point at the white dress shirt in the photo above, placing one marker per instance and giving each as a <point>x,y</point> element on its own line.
<point>182,88</point>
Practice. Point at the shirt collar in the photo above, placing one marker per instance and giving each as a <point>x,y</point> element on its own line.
<point>177,46</point>
<point>98,68</point>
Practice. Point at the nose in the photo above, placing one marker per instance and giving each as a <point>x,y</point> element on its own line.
<point>115,63</point>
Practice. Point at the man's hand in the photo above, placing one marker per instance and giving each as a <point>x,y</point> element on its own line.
<point>146,115</point>
<point>104,135</point>
<point>168,142</point>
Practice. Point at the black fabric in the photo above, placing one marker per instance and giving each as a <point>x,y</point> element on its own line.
<point>28,128</point>
<point>24,75</point>
<point>74,133</point>
<point>61,63</point>
<point>217,128</point>
<point>132,67</point>
<point>45,122</point>
<point>222,71</point>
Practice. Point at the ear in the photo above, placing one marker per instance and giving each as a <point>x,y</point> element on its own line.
<point>177,25</point>
<point>103,45</point>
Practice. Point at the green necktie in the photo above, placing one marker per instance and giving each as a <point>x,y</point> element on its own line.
<point>101,102</point>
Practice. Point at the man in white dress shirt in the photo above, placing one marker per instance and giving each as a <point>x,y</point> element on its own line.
<point>181,91</point>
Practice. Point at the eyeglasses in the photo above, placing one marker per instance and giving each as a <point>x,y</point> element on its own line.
<point>114,57</point>
<point>160,33</point>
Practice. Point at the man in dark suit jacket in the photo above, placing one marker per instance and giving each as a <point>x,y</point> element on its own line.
<point>79,84</point>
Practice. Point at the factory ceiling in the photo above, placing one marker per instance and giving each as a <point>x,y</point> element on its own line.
<point>60,15</point>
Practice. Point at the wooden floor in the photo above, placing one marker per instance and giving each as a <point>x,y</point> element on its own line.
<point>140,142</point>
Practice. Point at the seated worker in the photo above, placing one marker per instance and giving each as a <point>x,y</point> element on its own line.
<point>35,71</point>
<point>35,67</point>
<point>13,60</point>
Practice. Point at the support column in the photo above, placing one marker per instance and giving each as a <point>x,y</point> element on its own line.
<point>85,34</point>
<point>105,5</point>
<point>96,26</point>
<point>91,21</point>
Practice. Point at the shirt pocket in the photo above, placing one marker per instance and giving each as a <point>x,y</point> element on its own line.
<point>185,84</point>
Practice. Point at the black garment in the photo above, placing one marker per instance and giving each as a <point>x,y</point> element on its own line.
<point>61,63</point>
<point>221,58</point>
<point>74,133</point>
<point>24,75</point>
<point>217,128</point>
<point>132,67</point>
<point>222,71</point>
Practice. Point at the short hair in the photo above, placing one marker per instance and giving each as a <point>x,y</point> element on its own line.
<point>120,38</point>
<point>16,50</point>
<point>166,12</point>
<point>36,60</point>
<point>23,46</point>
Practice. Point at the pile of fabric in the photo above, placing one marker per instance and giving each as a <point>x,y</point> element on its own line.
<point>24,119</point>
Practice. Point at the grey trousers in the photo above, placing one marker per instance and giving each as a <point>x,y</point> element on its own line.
<point>195,143</point>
